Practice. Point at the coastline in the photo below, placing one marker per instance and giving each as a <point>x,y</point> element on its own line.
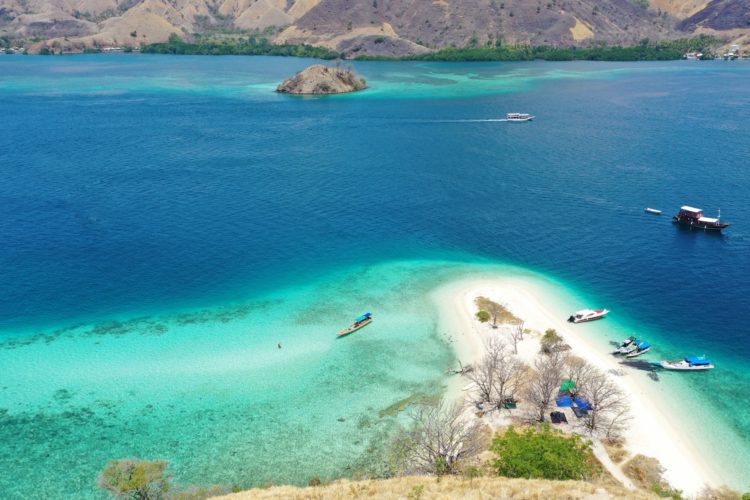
<point>651,431</point>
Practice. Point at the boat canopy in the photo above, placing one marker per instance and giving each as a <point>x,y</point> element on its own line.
<point>363,317</point>
<point>698,360</point>
<point>709,220</point>
<point>691,209</point>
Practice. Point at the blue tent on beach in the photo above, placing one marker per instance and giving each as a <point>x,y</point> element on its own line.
<point>564,402</point>
<point>583,404</point>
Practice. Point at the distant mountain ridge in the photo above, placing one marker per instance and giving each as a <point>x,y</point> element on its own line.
<point>373,27</point>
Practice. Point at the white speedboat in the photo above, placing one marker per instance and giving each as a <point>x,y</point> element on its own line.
<point>654,211</point>
<point>519,117</point>
<point>587,315</point>
<point>627,345</point>
<point>641,348</point>
<point>688,364</point>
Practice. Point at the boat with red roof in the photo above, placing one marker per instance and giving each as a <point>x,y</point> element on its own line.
<point>587,315</point>
<point>694,218</point>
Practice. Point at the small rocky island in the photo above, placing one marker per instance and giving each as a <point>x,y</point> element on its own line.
<point>322,80</point>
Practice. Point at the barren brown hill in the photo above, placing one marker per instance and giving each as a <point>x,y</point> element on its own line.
<point>375,27</point>
<point>444,489</point>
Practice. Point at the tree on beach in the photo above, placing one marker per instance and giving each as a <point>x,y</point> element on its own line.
<point>516,335</point>
<point>440,439</point>
<point>544,382</point>
<point>579,371</point>
<point>509,378</point>
<point>499,374</point>
<point>136,479</point>
<point>483,375</point>
<point>551,341</point>
<point>498,312</point>
<point>610,409</point>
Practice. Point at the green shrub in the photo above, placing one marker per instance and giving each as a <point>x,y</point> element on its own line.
<point>542,453</point>
<point>483,316</point>
<point>131,478</point>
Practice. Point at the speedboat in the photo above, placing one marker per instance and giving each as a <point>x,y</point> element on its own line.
<point>360,322</point>
<point>688,364</point>
<point>628,345</point>
<point>585,315</point>
<point>654,211</point>
<point>641,348</point>
<point>519,117</point>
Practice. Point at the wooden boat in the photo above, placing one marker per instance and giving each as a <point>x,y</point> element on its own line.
<point>691,363</point>
<point>694,218</point>
<point>653,211</point>
<point>360,322</point>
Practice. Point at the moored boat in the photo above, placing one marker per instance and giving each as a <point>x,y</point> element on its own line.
<point>691,363</point>
<point>585,315</point>
<point>519,117</point>
<point>360,322</point>
<point>627,345</point>
<point>694,218</point>
<point>640,348</point>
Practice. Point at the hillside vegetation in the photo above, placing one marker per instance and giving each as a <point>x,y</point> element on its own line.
<point>387,28</point>
<point>445,488</point>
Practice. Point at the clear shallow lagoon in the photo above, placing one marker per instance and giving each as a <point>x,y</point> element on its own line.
<point>168,220</point>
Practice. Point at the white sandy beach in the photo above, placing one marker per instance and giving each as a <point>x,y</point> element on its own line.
<point>650,432</point>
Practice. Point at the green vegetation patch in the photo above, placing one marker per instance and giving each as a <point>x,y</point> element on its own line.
<point>646,50</point>
<point>543,453</point>
<point>249,46</point>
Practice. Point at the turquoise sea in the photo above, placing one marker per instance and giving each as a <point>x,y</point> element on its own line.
<point>168,221</point>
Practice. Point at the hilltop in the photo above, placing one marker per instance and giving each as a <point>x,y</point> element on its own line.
<point>449,487</point>
<point>371,27</point>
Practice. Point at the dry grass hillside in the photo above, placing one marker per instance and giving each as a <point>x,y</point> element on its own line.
<point>414,487</point>
<point>376,27</point>
<point>725,19</point>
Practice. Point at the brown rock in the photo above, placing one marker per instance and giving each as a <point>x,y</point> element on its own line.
<point>321,80</point>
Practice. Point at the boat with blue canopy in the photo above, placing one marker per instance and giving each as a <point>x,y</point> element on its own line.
<point>360,322</point>
<point>641,348</point>
<point>691,363</point>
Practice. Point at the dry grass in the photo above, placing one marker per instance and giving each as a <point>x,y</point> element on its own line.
<point>616,451</point>
<point>418,487</point>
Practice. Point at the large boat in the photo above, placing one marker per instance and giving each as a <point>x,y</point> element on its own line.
<point>693,217</point>
<point>519,117</point>
<point>640,348</point>
<point>587,315</point>
<point>360,322</point>
<point>689,363</point>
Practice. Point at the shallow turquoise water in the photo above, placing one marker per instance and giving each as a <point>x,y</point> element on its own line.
<point>169,220</point>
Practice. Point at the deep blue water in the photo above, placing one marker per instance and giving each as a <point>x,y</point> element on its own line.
<point>136,184</point>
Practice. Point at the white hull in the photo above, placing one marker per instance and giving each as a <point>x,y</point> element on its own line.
<point>685,367</point>
<point>636,353</point>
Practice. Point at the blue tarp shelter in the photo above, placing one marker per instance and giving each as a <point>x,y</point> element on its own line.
<point>564,402</point>
<point>582,403</point>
